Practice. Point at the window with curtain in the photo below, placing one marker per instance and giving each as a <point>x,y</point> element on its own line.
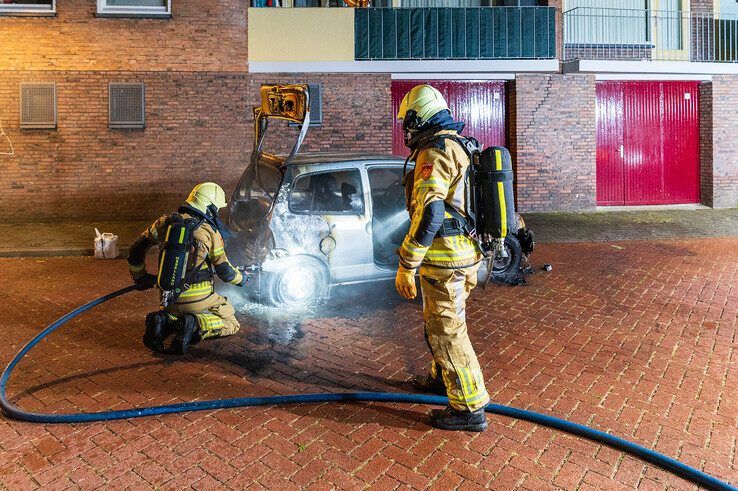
<point>607,22</point>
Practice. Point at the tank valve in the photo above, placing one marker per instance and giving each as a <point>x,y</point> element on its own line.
<point>500,250</point>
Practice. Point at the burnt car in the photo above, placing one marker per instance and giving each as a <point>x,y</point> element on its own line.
<point>322,220</point>
<point>306,222</point>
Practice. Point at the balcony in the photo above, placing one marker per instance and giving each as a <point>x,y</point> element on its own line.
<point>455,33</point>
<point>463,41</point>
<point>649,35</point>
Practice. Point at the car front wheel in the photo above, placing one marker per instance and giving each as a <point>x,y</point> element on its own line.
<point>296,285</point>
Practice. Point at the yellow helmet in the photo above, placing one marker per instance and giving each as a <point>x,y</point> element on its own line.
<point>425,101</point>
<point>206,194</point>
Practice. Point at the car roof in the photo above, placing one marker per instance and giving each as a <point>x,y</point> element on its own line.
<point>309,158</point>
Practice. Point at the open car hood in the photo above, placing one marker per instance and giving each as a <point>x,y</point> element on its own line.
<point>252,202</point>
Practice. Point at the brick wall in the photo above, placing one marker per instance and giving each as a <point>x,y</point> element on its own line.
<point>198,110</point>
<point>624,53</point>
<point>702,5</point>
<point>196,127</point>
<point>552,137</point>
<point>724,141</point>
<point>201,36</point>
<point>199,127</point>
<point>356,112</point>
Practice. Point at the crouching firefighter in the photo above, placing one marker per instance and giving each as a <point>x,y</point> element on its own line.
<point>441,246</point>
<point>190,249</point>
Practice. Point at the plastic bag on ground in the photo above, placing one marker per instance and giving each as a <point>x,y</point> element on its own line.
<point>106,245</point>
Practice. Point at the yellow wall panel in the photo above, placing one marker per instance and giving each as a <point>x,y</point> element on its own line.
<point>301,34</point>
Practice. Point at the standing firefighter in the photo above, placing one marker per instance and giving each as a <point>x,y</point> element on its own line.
<point>447,256</point>
<point>190,249</point>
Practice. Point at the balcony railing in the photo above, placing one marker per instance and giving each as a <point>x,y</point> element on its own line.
<point>455,33</point>
<point>375,3</point>
<point>658,35</point>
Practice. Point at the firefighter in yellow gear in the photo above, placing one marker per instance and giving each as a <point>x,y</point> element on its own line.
<point>439,246</point>
<point>198,313</point>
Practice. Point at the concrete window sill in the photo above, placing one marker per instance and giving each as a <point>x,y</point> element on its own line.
<point>27,13</point>
<point>127,15</point>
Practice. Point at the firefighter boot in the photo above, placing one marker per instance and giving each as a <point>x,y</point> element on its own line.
<point>158,328</point>
<point>186,335</point>
<point>430,384</point>
<point>454,419</point>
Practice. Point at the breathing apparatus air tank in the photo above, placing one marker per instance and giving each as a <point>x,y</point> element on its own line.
<point>179,246</point>
<point>496,216</point>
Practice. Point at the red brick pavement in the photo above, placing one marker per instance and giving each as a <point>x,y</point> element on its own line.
<point>636,338</point>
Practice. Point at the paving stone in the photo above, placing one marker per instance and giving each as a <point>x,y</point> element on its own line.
<point>638,340</point>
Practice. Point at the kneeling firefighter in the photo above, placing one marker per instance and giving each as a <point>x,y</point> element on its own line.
<point>191,248</point>
<point>448,257</point>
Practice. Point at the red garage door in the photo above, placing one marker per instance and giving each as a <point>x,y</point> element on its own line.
<point>648,143</point>
<point>481,105</point>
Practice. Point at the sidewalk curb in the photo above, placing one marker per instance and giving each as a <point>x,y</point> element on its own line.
<point>55,252</point>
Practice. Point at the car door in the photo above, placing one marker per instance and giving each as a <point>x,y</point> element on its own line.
<point>338,197</point>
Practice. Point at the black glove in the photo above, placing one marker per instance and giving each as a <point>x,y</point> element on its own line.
<point>244,278</point>
<point>146,282</point>
<point>246,273</point>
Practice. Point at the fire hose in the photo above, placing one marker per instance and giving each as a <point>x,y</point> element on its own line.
<point>664,462</point>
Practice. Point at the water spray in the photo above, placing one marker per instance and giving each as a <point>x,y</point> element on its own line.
<point>394,222</point>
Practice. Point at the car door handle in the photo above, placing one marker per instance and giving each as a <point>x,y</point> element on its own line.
<point>368,228</point>
<point>621,151</point>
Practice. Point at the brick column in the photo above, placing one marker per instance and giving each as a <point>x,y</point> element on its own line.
<point>706,143</point>
<point>724,145</point>
<point>552,138</point>
<point>559,4</point>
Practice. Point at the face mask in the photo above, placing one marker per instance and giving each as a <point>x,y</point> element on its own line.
<point>408,136</point>
<point>410,125</point>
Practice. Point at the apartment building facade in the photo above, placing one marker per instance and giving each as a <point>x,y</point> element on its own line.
<point>114,108</point>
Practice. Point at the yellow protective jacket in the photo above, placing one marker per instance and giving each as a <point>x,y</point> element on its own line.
<point>210,252</point>
<point>438,178</point>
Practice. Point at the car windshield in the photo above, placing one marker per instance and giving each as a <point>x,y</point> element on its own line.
<point>260,184</point>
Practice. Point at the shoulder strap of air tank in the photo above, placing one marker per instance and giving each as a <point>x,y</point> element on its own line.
<point>194,271</point>
<point>465,142</point>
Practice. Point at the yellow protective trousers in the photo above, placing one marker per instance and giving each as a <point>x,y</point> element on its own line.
<point>216,317</point>
<point>444,309</point>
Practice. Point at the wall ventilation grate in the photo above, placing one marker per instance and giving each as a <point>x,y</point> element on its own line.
<point>127,106</point>
<point>38,106</point>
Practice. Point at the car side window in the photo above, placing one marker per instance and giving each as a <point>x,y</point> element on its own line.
<point>388,194</point>
<point>337,192</point>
